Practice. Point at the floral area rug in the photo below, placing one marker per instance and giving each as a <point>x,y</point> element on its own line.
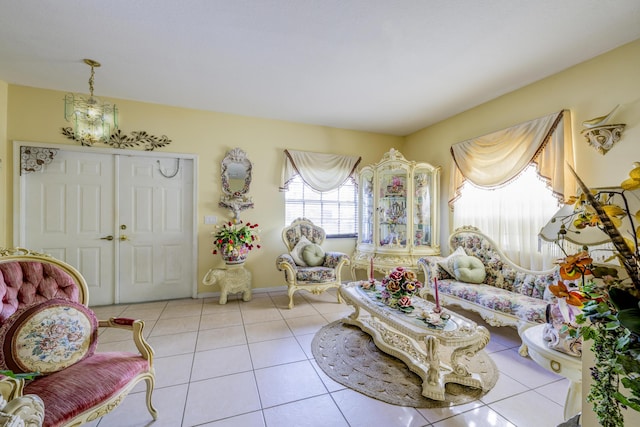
<point>350,357</point>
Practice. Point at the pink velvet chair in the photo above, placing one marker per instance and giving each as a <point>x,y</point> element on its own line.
<point>47,327</point>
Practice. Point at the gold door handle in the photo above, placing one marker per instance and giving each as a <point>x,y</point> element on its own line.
<point>123,238</point>
<point>107,238</point>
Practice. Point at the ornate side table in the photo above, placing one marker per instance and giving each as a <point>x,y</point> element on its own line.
<point>559,363</point>
<point>232,279</point>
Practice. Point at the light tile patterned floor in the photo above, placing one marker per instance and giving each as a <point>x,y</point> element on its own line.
<point>249,364</point>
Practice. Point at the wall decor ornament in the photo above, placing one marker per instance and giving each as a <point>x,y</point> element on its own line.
<point>236,181</point>
<point>33,159</point>
<point>601,135</point>
<point>602,138</point>
<point>120,140</point>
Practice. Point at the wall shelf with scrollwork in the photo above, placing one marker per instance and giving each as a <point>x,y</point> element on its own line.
<point>603,137</point>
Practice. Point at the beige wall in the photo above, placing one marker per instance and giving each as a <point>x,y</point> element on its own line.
<point>37,115</point>
<point>4,160</point>
<point>588,90</point>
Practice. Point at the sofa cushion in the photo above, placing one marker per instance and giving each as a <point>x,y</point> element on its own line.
<point>313,255</point>
<point>48,337</point>
<point>316,274</point>
<point>447,263</point>
<point>487,296</point>
<point>86,384</point>
<point>296,252</point>
<point>468,269</point>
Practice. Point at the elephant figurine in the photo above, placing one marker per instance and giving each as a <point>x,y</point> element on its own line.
<point>231,280</point>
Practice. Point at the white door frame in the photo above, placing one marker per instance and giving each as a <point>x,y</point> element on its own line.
<point>19,196</point>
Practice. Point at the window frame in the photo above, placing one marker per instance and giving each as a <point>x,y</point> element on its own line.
<point>304,203</point>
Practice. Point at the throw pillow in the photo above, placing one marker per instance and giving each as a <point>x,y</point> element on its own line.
<point>296,252</point>
<point>447,263</point>
<point>313,255</point>
<point>468,269</point>
<point>48,337</point>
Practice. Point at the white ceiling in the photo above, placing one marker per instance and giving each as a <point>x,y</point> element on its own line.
<point>388,66</point>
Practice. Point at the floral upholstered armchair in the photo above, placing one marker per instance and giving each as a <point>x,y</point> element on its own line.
<point>306,266</point>
<point>47,328</point>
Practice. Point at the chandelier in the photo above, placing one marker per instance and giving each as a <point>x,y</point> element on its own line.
<point>93,120</point>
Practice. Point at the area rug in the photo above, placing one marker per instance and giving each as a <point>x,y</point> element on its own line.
<point>350,357</point>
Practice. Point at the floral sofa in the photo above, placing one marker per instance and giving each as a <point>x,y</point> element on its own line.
<point>47,327</point>
<point>504,294</point>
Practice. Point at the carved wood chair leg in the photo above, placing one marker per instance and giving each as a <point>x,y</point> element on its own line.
<point>291,292</point>
<point>150,407</point>
<point>523,350</point>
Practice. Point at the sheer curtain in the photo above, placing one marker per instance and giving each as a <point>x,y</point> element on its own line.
<point>510,183</point>
<point>512,216</point>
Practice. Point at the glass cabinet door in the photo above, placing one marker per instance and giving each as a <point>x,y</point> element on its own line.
<point>366,205</point>
<point>422,208</point>
<point>397,214</point>
<point>392,209</point>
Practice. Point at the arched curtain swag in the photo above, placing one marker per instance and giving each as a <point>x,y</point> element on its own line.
<point>320,171</point>
<point>495,159</point>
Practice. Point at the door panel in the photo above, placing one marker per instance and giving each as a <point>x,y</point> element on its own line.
<point>68,206</point>
<point>156,212</point>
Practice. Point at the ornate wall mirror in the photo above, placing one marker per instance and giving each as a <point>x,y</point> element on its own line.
<point>236,180</point>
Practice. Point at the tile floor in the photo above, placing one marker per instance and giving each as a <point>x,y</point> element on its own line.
<point>249,364</point>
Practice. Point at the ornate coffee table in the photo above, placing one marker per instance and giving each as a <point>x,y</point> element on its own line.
<point>438,354</point>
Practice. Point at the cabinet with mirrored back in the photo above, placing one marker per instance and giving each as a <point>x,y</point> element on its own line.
<point>397,214</point>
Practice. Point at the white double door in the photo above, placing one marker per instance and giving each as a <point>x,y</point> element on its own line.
<point>123,221</point>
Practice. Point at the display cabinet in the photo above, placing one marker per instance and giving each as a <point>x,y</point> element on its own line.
<point>397,214</point>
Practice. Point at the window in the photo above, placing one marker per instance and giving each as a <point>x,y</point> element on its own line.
<point>335,211</point>
<point>512,215</point>
<point>519,173</point>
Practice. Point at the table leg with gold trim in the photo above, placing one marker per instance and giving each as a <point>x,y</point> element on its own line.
<point>559,363</point>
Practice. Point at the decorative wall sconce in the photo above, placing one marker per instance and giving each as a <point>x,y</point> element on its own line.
<point>601,135</point>
<point>93,120</point>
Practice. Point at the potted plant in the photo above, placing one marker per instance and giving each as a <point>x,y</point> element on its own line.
<point>610,310</point>
<point>234,240</point>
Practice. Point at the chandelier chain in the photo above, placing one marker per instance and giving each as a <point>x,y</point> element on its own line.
<point>91,81</point>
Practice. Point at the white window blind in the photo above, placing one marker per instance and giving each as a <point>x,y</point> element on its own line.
<point>335,210</point>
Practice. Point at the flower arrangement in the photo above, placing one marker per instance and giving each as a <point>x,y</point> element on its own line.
<point>396,185</point>
<point>235,239</point>
<point>398,288</point>
<point>602,307</point>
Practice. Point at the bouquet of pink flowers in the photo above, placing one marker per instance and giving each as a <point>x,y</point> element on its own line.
<point>398,288</point>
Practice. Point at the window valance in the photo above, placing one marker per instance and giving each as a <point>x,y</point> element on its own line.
<point>495,159</point>
<point>320,171</point>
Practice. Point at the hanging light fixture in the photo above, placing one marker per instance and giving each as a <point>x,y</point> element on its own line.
<point>93,120</point>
